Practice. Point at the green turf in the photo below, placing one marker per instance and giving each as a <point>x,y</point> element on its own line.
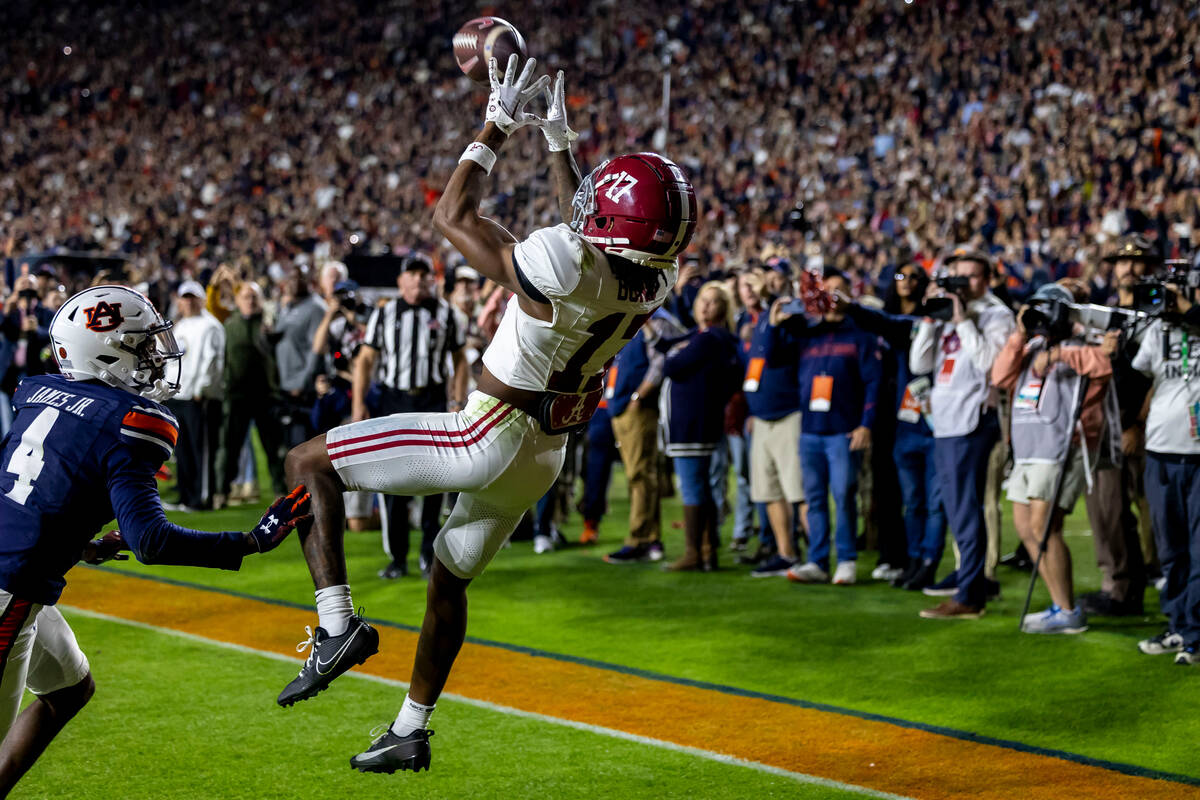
<point>175,718</point>
<point>861,647</point>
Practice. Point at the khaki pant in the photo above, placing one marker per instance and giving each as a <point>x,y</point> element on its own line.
<point>636,432</point>
<point>1115,532</point>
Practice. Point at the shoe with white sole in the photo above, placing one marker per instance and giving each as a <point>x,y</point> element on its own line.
<point>1165,642</point>
<point>807,573</point>
<point>1055,620</point>
<point>846,573</point>
<point>886,572</point>
<point>1189,655</point>
<point>542,544</point>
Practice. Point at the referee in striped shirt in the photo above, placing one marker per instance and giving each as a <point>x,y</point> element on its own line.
<point>409,343</point>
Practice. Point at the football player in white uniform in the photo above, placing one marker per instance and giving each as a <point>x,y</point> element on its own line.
<point>580,292</point>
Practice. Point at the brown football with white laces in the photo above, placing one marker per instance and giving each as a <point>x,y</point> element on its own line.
<point>485,38</point>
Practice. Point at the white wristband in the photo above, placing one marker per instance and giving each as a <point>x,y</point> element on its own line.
<point>481,154</point>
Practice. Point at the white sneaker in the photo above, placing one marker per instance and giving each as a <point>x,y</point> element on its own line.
<point>542,544</point>
<point>846,573</point>
<point>886,572</point>
<point>807,573</point>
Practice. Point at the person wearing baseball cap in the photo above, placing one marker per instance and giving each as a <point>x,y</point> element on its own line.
<point>197,406</point>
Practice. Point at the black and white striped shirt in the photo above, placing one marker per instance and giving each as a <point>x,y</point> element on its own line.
<point>413,342</point>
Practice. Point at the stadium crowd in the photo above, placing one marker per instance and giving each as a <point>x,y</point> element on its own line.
<point>237,160</point>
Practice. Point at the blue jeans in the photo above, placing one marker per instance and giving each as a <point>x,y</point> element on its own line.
<point>718,480</point>
<point>962,465</point>
<point>924,518</point>
<point>829,465</point>
<point>601,452</point>
<point>1173,493</point>
<point>743,509</point>
<point>694,486</point>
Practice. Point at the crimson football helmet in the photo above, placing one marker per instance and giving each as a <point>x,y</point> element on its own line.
<point>638,206</point>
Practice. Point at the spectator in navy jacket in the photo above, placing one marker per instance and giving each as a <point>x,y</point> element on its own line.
<point>924,519</point>
<point>838,375</point>
<point>702,371</point>
<point>776,481</point>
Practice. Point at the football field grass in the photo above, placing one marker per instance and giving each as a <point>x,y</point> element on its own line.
<point>179,716</point>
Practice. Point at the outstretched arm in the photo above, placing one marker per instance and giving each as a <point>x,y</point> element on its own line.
<point>486,245</point>
<point>559,136</point>
<point>567,178</point>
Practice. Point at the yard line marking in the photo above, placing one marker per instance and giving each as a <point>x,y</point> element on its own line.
<point>722,758</point>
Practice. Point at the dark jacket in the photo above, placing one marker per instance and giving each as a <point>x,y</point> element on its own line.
<point>897,331</point>
<point>249,359</point>
<point>838,351</point>
<point>776,394</point>
<point>702,376</point>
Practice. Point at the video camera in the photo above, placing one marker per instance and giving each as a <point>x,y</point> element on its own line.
<point>346,296</point>
<point>1051,313</point>
<point>953,283</point>
<point>1153,295</point>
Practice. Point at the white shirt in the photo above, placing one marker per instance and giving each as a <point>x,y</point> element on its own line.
<point>595,314</point>
<point>1172,426</point>
<point>200,369</point>
<point>960,358</point>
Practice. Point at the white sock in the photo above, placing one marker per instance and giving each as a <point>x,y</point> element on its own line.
<point>412,717</point>
<point>334,609</point>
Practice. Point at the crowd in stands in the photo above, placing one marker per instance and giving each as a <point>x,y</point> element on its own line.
<point>236,158</point>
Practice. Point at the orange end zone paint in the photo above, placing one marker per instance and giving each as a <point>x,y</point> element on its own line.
<point>825,744</point>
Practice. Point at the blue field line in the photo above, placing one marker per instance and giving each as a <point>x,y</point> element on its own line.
<point>967,736</point>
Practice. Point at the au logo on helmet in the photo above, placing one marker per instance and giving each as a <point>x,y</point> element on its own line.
<point>103,316</point>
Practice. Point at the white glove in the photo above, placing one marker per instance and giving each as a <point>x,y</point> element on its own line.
<point>506,103</point>
<point>554,127</point>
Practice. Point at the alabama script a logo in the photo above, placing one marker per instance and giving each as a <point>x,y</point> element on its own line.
<point>103,316</point>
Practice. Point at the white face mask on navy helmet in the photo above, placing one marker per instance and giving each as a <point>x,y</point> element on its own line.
<point>115,335</point>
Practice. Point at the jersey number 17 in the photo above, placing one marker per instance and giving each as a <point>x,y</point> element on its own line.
<point>578,375</point>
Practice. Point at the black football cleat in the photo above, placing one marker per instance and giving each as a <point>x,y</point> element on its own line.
<point>390,752</point>
<point>330,657</point>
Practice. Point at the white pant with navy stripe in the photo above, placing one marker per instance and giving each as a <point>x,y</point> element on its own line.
<point>495,456</point>
<point>38,652</point>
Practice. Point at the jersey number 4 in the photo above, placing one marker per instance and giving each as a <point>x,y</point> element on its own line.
<point>26,461</point>
<point>577,375</point>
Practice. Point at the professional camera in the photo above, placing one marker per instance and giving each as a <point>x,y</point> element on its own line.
<point>1051,314</point>
<point>953,283</point>
<point>1154,295</point>
<point>942,308</point>
<point>345,294</point>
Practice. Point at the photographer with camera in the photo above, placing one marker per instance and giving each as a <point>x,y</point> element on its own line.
<point>924,518</point>
<point>1043,370</point>
<point>959,349</point>
<point>1124,543</point>
<point>1168,356</point>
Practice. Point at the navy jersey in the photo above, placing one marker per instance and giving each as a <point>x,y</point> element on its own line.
<point>78,455</point>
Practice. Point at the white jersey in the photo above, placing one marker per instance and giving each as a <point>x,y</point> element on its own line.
<point>596,313</point>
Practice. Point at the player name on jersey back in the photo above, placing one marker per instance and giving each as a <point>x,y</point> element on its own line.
<point>65,401</point>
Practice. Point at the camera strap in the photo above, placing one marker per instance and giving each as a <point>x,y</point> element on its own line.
<point>1187,373</point>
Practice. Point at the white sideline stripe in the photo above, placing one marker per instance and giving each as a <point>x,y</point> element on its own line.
<point>799,777</point>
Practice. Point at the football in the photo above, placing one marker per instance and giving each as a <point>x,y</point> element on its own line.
<point>484,38</point>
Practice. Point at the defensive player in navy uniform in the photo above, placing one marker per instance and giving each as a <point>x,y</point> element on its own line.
<point>580,292</point>
<point>84,448</point>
